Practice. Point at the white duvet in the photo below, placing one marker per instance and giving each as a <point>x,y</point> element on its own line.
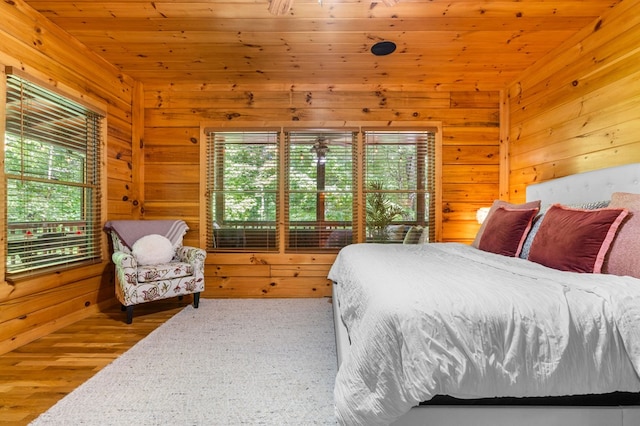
<point>446,318</point>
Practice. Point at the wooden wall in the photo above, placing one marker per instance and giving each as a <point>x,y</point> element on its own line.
<point>153,165</point>
<point>175,112</point>
<point>579,108</point>
<point>31,308</point>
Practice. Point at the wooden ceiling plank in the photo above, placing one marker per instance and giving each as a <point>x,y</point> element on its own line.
<point>208,9</point>
<point>255,39</point>
<point>320,65</point>
<point>434,51</point>
<point>266,66</point>
<point>347,24</point>
<point>441,44</point>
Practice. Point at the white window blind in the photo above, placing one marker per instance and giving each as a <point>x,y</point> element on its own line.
<point>242,179</point>
<point>399,182</point>
<point>52,155</point>
<point>319,194</point>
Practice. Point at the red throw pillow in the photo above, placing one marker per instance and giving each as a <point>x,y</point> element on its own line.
<point>506,230</point>
<point>575,239</point>
<point>494,207</point>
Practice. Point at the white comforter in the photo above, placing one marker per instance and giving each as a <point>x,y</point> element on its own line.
<point>446,318</point>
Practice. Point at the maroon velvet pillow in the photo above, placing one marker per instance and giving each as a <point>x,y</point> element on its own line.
<point>494,207</point>
<point>506,230</point>
<point>575,239</point>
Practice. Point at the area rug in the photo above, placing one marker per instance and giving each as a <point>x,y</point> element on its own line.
<point>229,362</point>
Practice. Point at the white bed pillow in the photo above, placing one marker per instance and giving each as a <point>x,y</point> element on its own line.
<point>153,249</point>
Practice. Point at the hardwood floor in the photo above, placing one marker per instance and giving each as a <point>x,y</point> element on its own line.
<point>34,377</point>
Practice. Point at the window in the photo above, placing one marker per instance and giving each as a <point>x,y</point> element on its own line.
<point>52,157</point>
<point>331,195</point>
<point>319,189</point>
<point>399,181</point>
<point>243,186</point>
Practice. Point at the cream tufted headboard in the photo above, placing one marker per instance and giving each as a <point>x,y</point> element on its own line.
<point>591,186</point>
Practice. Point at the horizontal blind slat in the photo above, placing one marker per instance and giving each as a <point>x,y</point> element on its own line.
<point>397,189</point>
<point>242,180</point>
<point>52,157</point>
<point>319,189</point>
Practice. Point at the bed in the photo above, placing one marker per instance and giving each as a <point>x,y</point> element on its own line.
<point>498,338</point>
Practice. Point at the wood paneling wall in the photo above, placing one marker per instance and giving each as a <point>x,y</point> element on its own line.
<point>575,110</point>
<point>31,308</point>
<point>175,112</point>
<point>579,108</point>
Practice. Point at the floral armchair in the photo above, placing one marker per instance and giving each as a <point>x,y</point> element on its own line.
<point>140,282</point>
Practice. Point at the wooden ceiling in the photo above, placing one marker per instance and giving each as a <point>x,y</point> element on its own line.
<point>471,44</point>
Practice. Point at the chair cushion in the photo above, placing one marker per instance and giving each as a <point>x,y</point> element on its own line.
<point>164,271</point>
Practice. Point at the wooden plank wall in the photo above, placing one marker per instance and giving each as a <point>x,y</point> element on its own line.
<point>31,308</point>
<point>579,108</point>
<point>173,116</point>
<point>576,110</point>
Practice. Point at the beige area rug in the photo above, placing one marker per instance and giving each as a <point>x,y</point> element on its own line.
<point>229,362</point>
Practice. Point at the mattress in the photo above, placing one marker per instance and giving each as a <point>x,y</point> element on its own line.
<point>448,319</point>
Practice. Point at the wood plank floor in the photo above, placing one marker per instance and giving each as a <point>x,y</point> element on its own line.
<point>34,377</point>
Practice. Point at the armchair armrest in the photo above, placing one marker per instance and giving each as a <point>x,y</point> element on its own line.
<point>193,255</point>
<point>126,267</point>
<point>124,260</point>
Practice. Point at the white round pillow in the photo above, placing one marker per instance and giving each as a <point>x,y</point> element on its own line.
<point>153,249</point>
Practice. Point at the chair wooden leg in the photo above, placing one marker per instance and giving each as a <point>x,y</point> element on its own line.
<point>196,300</point>
<point>129,314</point>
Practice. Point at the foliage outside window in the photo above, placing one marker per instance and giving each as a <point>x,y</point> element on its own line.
<point>243,184</point>
<point>319,210</point>
<point>399,183</point>
<point>52,148</point>
<point>319,189</point>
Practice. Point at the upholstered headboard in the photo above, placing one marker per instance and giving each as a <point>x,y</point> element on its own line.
<point>591,186</point>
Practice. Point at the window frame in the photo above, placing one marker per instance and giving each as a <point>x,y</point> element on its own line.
<point>301,235</point>
<point>359,222</point>
<point>425,176</point>
<point>215,155</point>
<point>61,256</point>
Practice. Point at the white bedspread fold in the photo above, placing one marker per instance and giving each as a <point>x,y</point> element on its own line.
<point>446,318</point>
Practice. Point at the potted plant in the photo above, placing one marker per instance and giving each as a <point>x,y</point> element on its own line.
<point>381,212</point>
